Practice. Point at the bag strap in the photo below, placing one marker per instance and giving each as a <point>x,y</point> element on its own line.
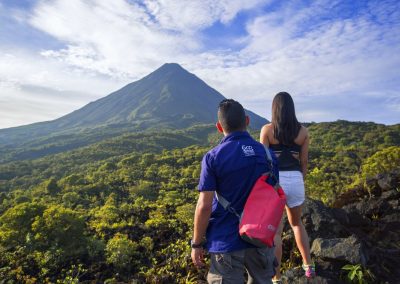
<point>269,160</point>
<point>227,205</point>
<point>271,168</point>
<point>268,154</point>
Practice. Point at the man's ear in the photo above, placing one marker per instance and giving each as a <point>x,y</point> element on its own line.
<point>247,120</point>
<point>219,127</point>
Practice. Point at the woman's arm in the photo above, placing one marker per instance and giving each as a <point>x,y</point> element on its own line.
<point>304,153</point>
<point>264,135</point>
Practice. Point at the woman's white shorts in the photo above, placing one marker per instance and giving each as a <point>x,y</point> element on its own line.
<point>293,185</point>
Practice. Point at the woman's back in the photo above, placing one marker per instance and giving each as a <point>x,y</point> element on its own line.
<point>269,130</point>
<point>292,157</point>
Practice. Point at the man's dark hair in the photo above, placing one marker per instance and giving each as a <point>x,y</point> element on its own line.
<point>231,115</point>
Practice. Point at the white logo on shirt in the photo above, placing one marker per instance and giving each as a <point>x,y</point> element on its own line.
<point>248,150</point>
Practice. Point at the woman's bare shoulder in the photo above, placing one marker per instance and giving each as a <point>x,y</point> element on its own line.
<point>304,131</point>
<point>267,127</point>
<point>265,134</point>
<point>302,136</point>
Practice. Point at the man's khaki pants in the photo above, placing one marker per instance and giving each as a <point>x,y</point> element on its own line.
<point>229,268</point>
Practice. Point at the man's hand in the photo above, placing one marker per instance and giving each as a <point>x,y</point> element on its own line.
<point>198,256</point>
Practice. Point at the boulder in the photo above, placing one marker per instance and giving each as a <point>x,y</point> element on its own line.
<point>370,207</point>
<point>350,219</point>
<point>340,249</point>
<point>296,276</point>
<point>320,222</point>
<point>388,181</point>
<point>390,194</point>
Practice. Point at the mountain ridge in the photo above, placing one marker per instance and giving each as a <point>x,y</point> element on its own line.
<point>168,98</point>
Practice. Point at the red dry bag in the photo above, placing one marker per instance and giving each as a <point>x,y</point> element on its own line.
<point>263,210</point>
<point>262,213</point>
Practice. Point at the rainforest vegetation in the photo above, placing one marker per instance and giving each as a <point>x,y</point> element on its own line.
<point>122,209</point>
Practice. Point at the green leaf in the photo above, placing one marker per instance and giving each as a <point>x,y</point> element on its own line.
<point>348,267</point>
<point>360,277</point>
<point>352,274</point>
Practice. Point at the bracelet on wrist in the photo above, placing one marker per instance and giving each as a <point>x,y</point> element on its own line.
<point>196,246</point>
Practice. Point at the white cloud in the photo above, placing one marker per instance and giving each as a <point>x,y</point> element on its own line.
<point>122,39</point>
<point>189,16</point>
<point>25,68</point>
<point>113,38</point>
<point>23,105</point>
<point>301,48</point>
<point>34,88</point>
<point>328,58</point>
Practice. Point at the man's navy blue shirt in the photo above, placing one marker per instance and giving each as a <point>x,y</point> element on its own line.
<point>231,169</point>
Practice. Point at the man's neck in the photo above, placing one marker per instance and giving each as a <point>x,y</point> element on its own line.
<point>227,133</point>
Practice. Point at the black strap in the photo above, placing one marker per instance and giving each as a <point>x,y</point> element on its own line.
<point>272,175</point>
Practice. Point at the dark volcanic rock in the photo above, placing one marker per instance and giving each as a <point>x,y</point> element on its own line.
<point>387,182</point>
<point>362,228</point>
<point>347,249</point>
<point>319,222</point>
<point>296,276</point>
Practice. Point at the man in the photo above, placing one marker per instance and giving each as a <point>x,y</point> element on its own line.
<point>230,169</point>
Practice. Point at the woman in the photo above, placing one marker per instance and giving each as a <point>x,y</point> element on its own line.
<point>289,140</point>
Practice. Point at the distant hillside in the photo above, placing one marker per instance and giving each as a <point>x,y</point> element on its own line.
<point>169,97</point>
<point>337,151</point>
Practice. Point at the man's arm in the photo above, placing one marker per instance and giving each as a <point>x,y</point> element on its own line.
<point>201,219</point>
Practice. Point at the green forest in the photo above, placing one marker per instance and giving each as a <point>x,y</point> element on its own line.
<point>122,209</point>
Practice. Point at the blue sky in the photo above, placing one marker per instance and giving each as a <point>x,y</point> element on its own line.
<point>338,59</point>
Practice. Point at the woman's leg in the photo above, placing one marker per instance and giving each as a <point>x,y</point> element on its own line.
<point>278,250</point>
<point>300,234</point>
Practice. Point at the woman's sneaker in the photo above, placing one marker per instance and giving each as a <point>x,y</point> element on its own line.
<point>309,270</point>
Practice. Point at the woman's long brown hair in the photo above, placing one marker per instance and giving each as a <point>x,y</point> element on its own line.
<point>284,121</point>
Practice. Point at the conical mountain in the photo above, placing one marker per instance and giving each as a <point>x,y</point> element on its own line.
<point>169,97</point>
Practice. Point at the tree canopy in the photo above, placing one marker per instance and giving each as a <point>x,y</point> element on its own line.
<point>122,209</point>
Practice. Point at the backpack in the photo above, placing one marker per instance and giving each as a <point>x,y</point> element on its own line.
<point>262,211</point>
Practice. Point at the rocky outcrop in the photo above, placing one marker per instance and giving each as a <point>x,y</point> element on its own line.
<point>346,249</point>
<point>363,227</point>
